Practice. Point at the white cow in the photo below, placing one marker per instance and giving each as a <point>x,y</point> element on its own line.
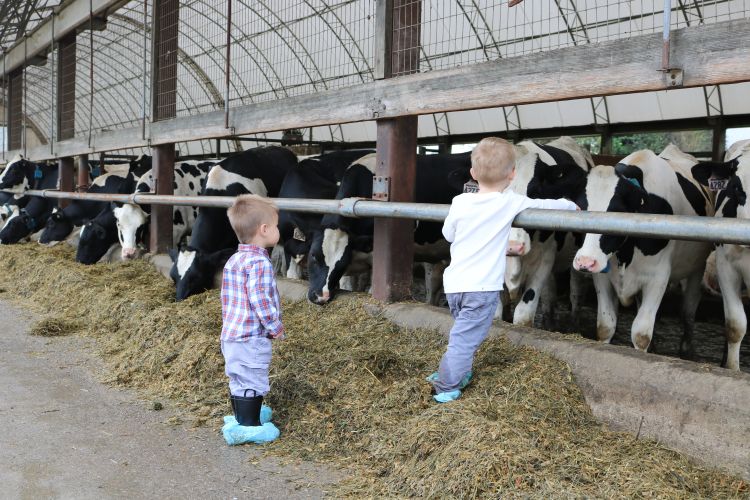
<point>732,261</point>
<point>631,268</point>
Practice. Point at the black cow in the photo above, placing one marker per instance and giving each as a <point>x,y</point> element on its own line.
<point>62,222</point>
<point>312,178</point>
<point>100,233</point>
<point>258,171</point>
<point>341,241</point>
<point>34,214</point>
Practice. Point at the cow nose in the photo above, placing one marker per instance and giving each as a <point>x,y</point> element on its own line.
<point>585,264</point>
<point>516,248</point>
<point>128,253</point>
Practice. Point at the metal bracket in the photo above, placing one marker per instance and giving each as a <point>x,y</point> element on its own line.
<point>381,188</point>
<point>376,107</point>
<point>673,76</point>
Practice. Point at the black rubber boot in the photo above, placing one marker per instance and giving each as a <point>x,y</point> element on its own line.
<point>247,410</point>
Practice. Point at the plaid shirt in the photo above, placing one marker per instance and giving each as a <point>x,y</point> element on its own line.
<point>250,305</point>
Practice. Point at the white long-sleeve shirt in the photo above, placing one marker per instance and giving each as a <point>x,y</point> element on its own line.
<point>478,227</point>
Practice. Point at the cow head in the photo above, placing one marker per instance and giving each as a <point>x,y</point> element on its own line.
<point>608,190</point>
<point>6,212</point>
<point>18,175</point>
<point>18,228</point>
<point>58,227</point>
<point>193,271</point>
<point>731,178</point>
<point>131,224</point>
<point>556,170</point>
<point>95,239</point>
<point>338,237</point>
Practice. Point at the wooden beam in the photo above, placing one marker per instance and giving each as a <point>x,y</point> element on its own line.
<point>161,215</point>
<point>66,88</point>
<point>709,55</point>
<point>393,247</point>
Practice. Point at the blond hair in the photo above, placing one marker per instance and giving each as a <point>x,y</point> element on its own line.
<point>248,213</point>
<point>493,160</point>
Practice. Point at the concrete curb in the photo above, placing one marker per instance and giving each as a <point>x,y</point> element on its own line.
<point>700,410</point>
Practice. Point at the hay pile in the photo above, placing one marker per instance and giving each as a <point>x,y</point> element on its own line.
<point>349,388</point>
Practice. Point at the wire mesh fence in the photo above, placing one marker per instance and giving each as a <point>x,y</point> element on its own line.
<point>462,32</point>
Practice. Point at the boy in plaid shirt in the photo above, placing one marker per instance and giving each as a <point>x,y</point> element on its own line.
<point>251,318</point>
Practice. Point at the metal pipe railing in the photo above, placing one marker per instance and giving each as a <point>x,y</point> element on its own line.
<point>674,227</point>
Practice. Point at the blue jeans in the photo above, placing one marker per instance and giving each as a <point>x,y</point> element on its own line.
<point>473,313</point>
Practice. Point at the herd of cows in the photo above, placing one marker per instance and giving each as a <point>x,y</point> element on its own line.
<point>330,250</point>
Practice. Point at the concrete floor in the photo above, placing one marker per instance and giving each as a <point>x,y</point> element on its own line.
<point>66,435</point>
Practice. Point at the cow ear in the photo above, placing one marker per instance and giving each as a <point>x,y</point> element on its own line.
<point>362,243</point>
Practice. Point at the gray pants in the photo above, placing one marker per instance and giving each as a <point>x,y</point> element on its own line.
<point>473,313</point>
<point>246,365</point>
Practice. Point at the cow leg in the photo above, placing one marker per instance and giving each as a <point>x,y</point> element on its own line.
<point>293,270</point>
<point>347,283</point>
<point>434,283</point>
<point>643,325</point>
<point>606,308</point>
<point>548,299</point>
<point>690,299</point>
<point>526,308</point>
<point>577,294</point>
<point>735,321</point>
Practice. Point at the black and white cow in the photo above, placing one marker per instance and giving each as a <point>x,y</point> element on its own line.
<point>23,175</point>
<point>99,234</point>
<point>62,222</point>
<point>342,242</point>
<point>554,170</point>
<point>317,177</point>
<point>132,220</point>
<point>626,268</point>
<point>732,261</point>
<point>258,171</point>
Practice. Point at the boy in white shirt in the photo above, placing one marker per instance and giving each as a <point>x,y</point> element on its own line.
<point>478,227</point>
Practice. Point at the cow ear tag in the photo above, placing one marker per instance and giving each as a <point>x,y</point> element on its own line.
<point>715,184</point>
<point>37,172</point>
<point>298,234</point>
<point>634,182</point>
<point>471,187</point>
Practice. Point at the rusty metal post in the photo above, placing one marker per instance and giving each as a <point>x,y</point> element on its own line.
<point>83,174</point>
<point>65,177</point>
<point>395,174</point>
<point>161,215</point>
<point>66,87</point>
<point>15,109</point>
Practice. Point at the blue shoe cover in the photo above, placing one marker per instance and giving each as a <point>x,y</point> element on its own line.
<point>266,413</point>
<point>432,378</point>
<point>235,433</point>
<point>447,397</point>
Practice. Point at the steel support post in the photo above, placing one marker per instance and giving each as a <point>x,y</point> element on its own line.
<point>395,173</point>
<point>161,215</point>
<point>83,174</point>
<point>65,177</point>
<point>718,143</point>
